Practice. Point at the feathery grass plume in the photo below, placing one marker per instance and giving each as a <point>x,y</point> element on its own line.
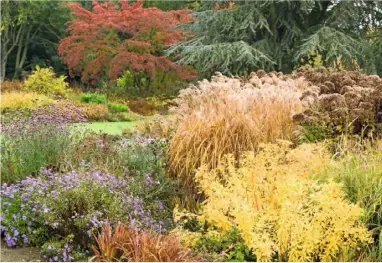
<point>226,115</point>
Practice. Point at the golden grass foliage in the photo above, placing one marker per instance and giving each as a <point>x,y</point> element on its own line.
<point>228,116</point>
<point>15,100</point>
<point>125,244</point>
<point>14,85</point>
<point>279,210</point>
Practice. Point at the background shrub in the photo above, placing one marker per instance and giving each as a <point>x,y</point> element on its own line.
<point>117,107</point>
<point>93,98</point>
<point>44,81</point>
<point>346,101</point>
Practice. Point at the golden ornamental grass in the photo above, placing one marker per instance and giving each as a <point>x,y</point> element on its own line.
<point>16,100</point>
<point>228,116</point>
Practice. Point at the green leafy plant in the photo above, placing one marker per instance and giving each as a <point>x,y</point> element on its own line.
<point>126,80</point>
<point>44,81</point>
<point>117,107</point>
<point>93,98</point>
<point>229,247</point>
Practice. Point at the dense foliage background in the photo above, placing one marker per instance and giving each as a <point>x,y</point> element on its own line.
<point>233,37</point>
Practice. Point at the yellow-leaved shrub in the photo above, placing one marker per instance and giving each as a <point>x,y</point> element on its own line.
<point>44,81</point>
<point>281,212</point>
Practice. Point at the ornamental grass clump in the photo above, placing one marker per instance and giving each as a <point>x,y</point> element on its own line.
<point>228,116</point>
<point>16,101</point>
<point>281,213</point>
<point>127,244</point>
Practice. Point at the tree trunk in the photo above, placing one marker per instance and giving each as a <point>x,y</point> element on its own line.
<point>3,65</point>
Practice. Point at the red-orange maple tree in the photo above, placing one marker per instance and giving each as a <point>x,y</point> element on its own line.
<point>113,37</point>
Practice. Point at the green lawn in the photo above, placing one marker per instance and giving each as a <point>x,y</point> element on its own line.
<point>108,127</point>
<point>112,128</point>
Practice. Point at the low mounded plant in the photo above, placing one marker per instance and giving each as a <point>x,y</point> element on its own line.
<point>117,107</point>
<point>44,81</point>
<point>282,214</point>
<point>348,101</point>
<point>93,98</point>
<point>96,112</point>
<point>127,244</point>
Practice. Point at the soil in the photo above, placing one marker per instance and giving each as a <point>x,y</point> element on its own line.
<point>24,254</point>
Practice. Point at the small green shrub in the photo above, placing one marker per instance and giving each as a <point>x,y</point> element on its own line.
<point>44,81</point>
<point>230,247</point>
<point>93,98</point>
<point>315,132</point>
<point>117,107</point>
<point>126,80</point>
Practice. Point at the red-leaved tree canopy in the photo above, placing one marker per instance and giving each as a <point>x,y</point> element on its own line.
<point>115,37</point>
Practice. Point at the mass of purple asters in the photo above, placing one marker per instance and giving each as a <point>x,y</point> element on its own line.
<point>56,115</point>
<point>58,254</point>
<point>37,199</point>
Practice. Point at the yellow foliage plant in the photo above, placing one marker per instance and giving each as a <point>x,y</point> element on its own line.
<point>44,81</point>
<point>282,214</point>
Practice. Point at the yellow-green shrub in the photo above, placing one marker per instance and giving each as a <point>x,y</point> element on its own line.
<point>227,116</point>
<point>22,100</point>
<point>44,81</point>
<point>281,213</point>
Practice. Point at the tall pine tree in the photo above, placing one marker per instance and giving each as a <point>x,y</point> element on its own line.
<point>236,37</point>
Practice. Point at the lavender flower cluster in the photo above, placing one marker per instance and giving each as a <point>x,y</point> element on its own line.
<point>77,204</point>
